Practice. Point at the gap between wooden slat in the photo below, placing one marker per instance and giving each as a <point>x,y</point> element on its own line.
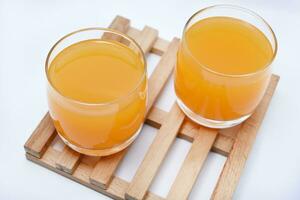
<point>116,190</point>
<point>192,164</point>
<point>106,167</point>
<point>245,138</point>
<point>41,137</point>
<point>189,129</point>
<point>156,154</point>
<point>157,82</point>
<point>162,72</point>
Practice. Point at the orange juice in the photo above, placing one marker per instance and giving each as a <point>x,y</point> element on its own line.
<point>101,93</point>
<point>221,68</point>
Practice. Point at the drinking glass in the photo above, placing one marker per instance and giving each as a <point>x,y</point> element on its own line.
<point>98,128</point>
<point>221,99</point>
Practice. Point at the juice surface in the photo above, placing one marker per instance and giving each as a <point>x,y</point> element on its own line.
<point>97,72</point>
<point>228,45</point>
<point>214,49</point>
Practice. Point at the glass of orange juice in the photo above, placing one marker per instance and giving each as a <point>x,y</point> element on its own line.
<point>223,65</point>
<point>97,90</point>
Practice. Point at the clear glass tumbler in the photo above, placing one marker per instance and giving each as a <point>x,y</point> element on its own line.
<point>223,65</point>
<point>86,125</point>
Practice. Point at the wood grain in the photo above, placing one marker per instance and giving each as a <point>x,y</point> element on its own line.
<point>41,137</point>
<point>119,24</point>
<point>162,72</point>
<point>243,143</point>
<point>106,167</point>
<point>192,164</point>
<point>156,154</point>
<point>189,129</point>
<point>116,190</point>
<point>222,145</point>
<point>146,38</point>
<point>159,47</point>
<point>68,160</point>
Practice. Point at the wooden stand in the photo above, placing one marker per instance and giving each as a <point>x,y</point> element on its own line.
<point>98,173</point>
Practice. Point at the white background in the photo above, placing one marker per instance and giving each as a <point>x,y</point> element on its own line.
<point>29,28</point>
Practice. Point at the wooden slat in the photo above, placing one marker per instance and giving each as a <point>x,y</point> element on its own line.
<point>230,132</point>
<point>147,38</point>
<point>156,154</point>
<point>41,137</point>
<point>133,32</point>
<point>162,72</point>
<point>68,160</point>
<point>192,164</point>
<point>159,47</point>
<point>116,190</point>
<point>106,167</point>
<point>222,145</point>
<point>245,138</point>
<point>120,24</point>
<point>189,129</point>
<point>102,174</point>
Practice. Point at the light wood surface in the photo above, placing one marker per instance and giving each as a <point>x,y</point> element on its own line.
<point>119,24</point>
<point>189,129</point>
<point>116,189</point>
<point>68,160</point>
<point>146,38</point>
<point>105,168</point>
<point>41,137</point>
<point>156,154</point>
<point>162,72</point>
<point>192,164</point>
<point>223,145</point>
<point>243,143</point>
<point>160,45</point>
<point>98,173</point>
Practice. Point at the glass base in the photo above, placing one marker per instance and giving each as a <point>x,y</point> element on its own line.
<point>208,122</point>
<point>102,152</point>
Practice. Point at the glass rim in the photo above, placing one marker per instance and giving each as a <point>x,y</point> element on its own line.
<point>246,10</point>
<point>130,39</point>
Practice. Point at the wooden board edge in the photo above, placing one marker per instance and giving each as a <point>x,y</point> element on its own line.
<point>150,195</point>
